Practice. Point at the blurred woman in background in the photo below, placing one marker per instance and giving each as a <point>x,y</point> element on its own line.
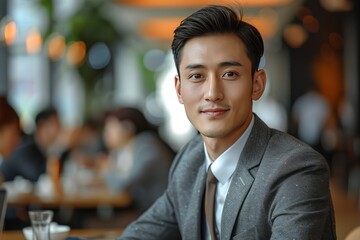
<point>138,159</point>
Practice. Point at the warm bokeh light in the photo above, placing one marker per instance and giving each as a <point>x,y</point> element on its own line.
<point>266,22</point>
<point>194,3</point>
<point>295,35</point>
<point>76,53</point>
<point>311,23</point>
<point>56,46</point>
<point>33,42</point>
<point>336,40</point>
<point>336,5</point>
<point>302,11</point>
<point>10,33</point>
<point>328,74</point>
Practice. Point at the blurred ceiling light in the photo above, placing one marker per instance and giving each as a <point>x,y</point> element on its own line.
<point>154,59</point>
<point>311,23</point>
<point>10,33</point>
<point>33,41</point>
<point>76,53</point>
<point>99,55</point>
<point>194,3</point>
<point>295,35</point>
<point>336,5</point>
<point>56,46</point>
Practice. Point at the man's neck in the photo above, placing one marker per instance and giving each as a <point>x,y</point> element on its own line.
<point>42,145</point>
<point>216,146</point>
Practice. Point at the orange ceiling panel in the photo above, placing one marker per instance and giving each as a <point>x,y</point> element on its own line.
<point>159,28</point>
<point>195,3</point>
<point>163,28</point>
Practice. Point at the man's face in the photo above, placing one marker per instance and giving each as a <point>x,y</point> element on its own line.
<point>216,85</point>
<point>52,128</point>
<point>117,133</point>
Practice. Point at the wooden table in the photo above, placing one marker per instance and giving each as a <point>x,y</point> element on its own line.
<point>107,234</point>
<point>89,194</point>
<point>79,200</point>
<point>77,206</point>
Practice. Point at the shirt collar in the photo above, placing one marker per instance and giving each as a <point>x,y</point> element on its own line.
<point>225,164</point>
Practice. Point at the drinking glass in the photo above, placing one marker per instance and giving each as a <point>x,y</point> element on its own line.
<point>40,222</point>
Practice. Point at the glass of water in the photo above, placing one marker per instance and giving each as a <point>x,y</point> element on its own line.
<point>40,222</point>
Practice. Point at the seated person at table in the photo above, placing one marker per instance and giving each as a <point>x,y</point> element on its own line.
<point>138,159</point>
<point>10,131</point>
<point>238,179</point>
<point>29,158</point>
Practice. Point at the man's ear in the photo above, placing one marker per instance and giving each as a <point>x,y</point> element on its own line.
<point>259,83</point>
<point>178,88</point>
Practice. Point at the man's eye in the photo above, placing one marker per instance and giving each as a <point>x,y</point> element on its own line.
<point>195,76</point>
<point>229,75</point>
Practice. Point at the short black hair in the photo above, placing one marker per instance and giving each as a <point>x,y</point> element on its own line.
<point>133,115</point>
<point>215,19</point>
<point>45,114</point>
<point>8,115</point>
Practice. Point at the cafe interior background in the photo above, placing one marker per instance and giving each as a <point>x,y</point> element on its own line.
<point>86,56</point>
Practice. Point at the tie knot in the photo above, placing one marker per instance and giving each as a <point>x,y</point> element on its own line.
<point>210,177</point>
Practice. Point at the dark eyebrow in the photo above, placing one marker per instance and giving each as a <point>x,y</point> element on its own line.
<point>230,63</point>
<point>222,64</point>
<point>194,66</point>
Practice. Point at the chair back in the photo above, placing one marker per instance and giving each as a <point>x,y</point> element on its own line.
<point>2,208</point>
<point>354,234</point>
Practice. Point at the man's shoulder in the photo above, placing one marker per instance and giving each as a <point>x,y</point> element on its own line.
<point>194,144</point>
<point>287,140</point>
<point>27,147</point>
<point>191,155</point>
<point>285,146</point>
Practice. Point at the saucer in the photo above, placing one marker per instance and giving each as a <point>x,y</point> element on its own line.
<point>57,232</point>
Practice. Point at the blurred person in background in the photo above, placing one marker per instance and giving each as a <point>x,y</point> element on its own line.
<point>29,158</point>
<point>85,144</point>
<point>10,131</point>
<point>310,116</point>
<point>138,159</point>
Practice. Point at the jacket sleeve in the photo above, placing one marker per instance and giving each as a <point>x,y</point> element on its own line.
<point>159,222</point>
<point>301,205</point>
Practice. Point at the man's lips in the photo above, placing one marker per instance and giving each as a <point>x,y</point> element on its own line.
<point>214,112</point>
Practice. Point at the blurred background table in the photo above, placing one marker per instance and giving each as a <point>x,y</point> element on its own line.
<point>91,199</point>
<point>102,234</point>
<point>95,207</point>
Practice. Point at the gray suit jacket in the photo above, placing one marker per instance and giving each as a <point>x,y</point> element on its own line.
<point>280,190</point>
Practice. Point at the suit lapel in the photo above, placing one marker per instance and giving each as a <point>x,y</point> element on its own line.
<point>243,179</point>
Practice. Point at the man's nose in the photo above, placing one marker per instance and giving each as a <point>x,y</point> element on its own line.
<point>214,89</point>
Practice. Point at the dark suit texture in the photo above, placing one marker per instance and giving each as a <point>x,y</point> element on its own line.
<point>279,190</point>
<point>27,161</point>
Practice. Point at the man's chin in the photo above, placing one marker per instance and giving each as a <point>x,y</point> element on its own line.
<point>212,133</point>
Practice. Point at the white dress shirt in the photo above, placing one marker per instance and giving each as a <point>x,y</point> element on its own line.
<point>223,169</point>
